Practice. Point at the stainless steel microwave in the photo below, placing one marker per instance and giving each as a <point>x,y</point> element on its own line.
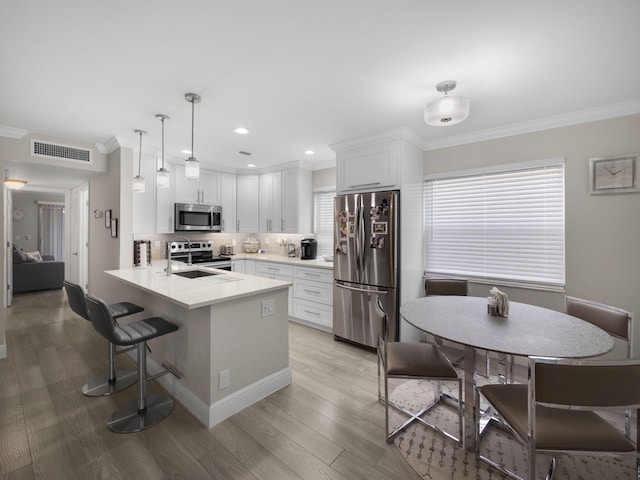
<point>197,217</point>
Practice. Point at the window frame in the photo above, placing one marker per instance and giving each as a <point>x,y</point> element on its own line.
<point>557,284</point>
<point>323,249</point>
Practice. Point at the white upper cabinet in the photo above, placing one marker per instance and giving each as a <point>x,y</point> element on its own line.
<point>205,190</point>
<point>297,200</point>
<point>164,204</point>
<point>228,201</point>
<point>271,202</point>
<point>247,202</point>
<point>144,204</point>
<point>286,201</point>
<point>383,162</point>
<point>153,209</point>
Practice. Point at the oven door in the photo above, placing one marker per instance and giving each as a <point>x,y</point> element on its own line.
<point>219,265</point>
<point>190,217</point>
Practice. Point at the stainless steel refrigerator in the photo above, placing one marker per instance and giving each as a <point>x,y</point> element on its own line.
<point>365,264</point>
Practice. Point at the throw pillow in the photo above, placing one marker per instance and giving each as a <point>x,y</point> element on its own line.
<point>34,256</point>
<point>18,256</point>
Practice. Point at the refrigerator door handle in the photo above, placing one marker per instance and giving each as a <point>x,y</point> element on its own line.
<point>360,238</point>
<point>363,290</point>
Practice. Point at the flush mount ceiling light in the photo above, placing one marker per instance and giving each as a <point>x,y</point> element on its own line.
<point>448,109</point>
<point>309,152</point>
<point>191,165</point>
<point>138,180</point>
<point>162,175</point>
<point>241,130</point>
<point>12,183</point>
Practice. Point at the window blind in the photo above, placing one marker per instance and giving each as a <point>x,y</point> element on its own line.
<point>323,220</point>
<point>506,225</point>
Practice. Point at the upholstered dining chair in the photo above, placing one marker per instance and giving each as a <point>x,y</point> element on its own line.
<point>452,286</point>
<point>615,321</point>
<point>555,412</point>
<point>413,360</point>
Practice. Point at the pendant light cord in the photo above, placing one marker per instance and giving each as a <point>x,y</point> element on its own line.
<point>162,120</point>
<point>192,123</point>
<point>140,153</point>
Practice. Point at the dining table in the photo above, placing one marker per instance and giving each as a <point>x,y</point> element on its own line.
<point>528,330</point>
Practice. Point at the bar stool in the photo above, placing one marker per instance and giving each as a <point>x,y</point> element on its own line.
<point>148,409</point>
<point>113,381</point>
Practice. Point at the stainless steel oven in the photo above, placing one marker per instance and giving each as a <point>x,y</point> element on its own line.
<point>200,253</point>
<point>197,217</point>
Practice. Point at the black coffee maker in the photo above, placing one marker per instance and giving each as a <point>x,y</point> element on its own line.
<point>308,248</point>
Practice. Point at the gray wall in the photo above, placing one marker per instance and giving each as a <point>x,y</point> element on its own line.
<point>112,191</point>
<point>28,226</point>
<point>602,231</point>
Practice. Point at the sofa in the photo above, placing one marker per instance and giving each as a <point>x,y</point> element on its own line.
<point>30,275</point>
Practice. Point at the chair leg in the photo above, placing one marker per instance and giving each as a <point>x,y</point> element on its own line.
<point>114,381</point>
<point>147,410</point>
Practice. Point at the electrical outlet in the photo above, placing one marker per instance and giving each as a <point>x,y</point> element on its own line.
<point>224,379</point>
<point>267,308</point>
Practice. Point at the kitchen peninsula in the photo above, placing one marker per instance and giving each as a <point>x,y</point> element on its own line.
<point>232,346</point>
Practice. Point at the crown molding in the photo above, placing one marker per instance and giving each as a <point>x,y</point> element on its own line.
<point>546,123</point>
<point>402,133</point>
<point>323,165</point>
<point>11,132</point>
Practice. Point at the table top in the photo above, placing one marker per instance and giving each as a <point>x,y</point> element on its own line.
<point>528,330</point>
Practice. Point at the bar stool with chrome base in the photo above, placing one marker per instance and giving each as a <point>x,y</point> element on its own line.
<point>114,381</point>
<point>148,409</point>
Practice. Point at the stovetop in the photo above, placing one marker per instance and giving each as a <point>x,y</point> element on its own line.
<point>201,252</point>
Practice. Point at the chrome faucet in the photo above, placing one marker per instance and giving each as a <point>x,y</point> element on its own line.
<point>168,269</point>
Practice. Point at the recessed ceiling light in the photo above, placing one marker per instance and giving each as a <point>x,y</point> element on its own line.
<point>241,130</point>
<point>251,165</point>
<point>309,152</point>
<point>242,152</point>
<point>186,152</point>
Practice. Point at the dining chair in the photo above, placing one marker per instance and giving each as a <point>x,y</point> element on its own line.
<point>615,321</point>
<point>555,412</point>
<point>451,286</point>
<point>409,361</point>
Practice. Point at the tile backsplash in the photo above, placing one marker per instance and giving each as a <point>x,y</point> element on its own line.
<point>274,243</point>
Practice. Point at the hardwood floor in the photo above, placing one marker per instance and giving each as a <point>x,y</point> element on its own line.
<point>327,424</point>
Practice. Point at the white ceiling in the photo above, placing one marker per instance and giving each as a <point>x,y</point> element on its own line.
<point>306,74</point>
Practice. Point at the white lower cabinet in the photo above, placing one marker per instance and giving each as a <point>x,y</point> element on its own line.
<point>239,266</point>
<point>277,271</point>
<point>313,297</point>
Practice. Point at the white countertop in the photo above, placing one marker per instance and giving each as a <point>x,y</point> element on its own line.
<point>194,293</point>
<point>272,257</point>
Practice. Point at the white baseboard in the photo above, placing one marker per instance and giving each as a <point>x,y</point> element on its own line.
<point>3,351</point>
<point>211,415</point>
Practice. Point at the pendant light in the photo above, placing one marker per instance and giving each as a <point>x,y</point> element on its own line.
<point>138,180</point>
<point>191,165</point>
<point>162,175</point>
<point>448,109</point>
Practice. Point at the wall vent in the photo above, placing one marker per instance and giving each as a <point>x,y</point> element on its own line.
<point>60,152</point>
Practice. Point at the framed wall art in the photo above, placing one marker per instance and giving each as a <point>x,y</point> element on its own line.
<point>114,227</point>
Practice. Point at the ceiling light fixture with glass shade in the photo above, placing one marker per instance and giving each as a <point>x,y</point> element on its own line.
<point>191,165</point>
<point>12,183</point>
<point>138,180</point>
<point>162,175</point>
<point>447,109</point>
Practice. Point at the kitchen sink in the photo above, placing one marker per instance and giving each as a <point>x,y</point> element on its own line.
<point>195,274</point>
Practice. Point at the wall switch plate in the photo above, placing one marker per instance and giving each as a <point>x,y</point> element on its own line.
<point>267,308</point>
<point>224,379</point>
